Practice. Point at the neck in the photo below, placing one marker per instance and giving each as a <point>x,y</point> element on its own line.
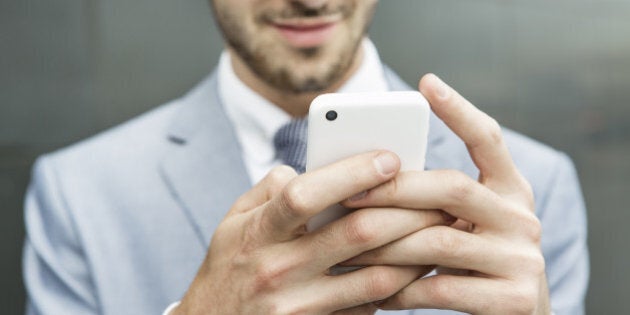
<point>295,104</point>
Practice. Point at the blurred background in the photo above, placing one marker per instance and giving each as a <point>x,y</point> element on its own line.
<point>558,71</point>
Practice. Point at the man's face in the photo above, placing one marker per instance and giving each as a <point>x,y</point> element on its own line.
<point>295,46</point>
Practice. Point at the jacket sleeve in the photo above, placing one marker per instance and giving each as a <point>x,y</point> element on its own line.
<point>563,217</point>
<point>56,273</point>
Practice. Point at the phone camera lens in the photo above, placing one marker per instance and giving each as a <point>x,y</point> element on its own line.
<point>331,115</point>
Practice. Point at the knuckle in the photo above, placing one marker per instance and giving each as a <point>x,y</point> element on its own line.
<point>526,186</point>
<point>529,261</point>
<point>445,244</point>
<point>240,204</point>
<point>359,228</point>
<point>527,191</point>
<point>280,175</point>
<point>532,228</point>
<point>380,285</point>
<point>269,274</point>
<point>535,263</point>
<point>440,292</point>
<point>493,131</point>
<point>538,264</point>
<point>461,187</point>
<point>295,199</point>
<point>523,300</point>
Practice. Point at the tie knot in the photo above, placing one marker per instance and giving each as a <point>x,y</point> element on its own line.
<point>290,144</point>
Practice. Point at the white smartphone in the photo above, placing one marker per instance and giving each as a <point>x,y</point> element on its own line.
<point>346,124</point>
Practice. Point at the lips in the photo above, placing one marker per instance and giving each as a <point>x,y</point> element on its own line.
<point>307,33</point>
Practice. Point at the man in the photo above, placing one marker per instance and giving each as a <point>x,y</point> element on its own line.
<point>121,223</point>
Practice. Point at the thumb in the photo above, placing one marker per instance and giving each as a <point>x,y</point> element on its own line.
<point>269,186</point>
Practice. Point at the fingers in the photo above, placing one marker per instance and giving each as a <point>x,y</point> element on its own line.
<point>444,292</point>
<point>452,191</point>
<point>364,309</point>
<point>262,192</point>
<point>465,294</point>
<point>447,247</point>
<point>286,214</point>
<point>367,285</point>
<point>480,132</point>
<point>361,231</point>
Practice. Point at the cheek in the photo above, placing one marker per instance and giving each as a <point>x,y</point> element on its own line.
<point>235,12</point>
<point>363,13</point>
<point>236,20</point>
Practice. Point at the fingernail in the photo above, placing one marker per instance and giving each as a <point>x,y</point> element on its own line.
<point>358,196</point>
<point>440,88</point>
<point>386,163</point>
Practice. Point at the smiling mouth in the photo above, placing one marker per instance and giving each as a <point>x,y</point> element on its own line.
<point>307,32</point>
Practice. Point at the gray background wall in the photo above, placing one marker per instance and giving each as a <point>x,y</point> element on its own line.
<point>556,70</point>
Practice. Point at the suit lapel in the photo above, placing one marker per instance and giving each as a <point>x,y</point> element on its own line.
<point>204,169</point>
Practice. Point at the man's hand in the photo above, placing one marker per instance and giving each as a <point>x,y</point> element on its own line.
<point>492,257</point>
<point>261,261</point>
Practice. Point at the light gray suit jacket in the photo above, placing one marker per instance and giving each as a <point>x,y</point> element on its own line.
<point>119,223</point>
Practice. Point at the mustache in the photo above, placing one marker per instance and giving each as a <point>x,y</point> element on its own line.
<point>299,10</point>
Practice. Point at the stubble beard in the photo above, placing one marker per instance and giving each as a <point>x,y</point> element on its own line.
<point>276,65</point>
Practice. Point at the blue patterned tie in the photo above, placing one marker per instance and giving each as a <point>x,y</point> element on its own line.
<point>290,143</point>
